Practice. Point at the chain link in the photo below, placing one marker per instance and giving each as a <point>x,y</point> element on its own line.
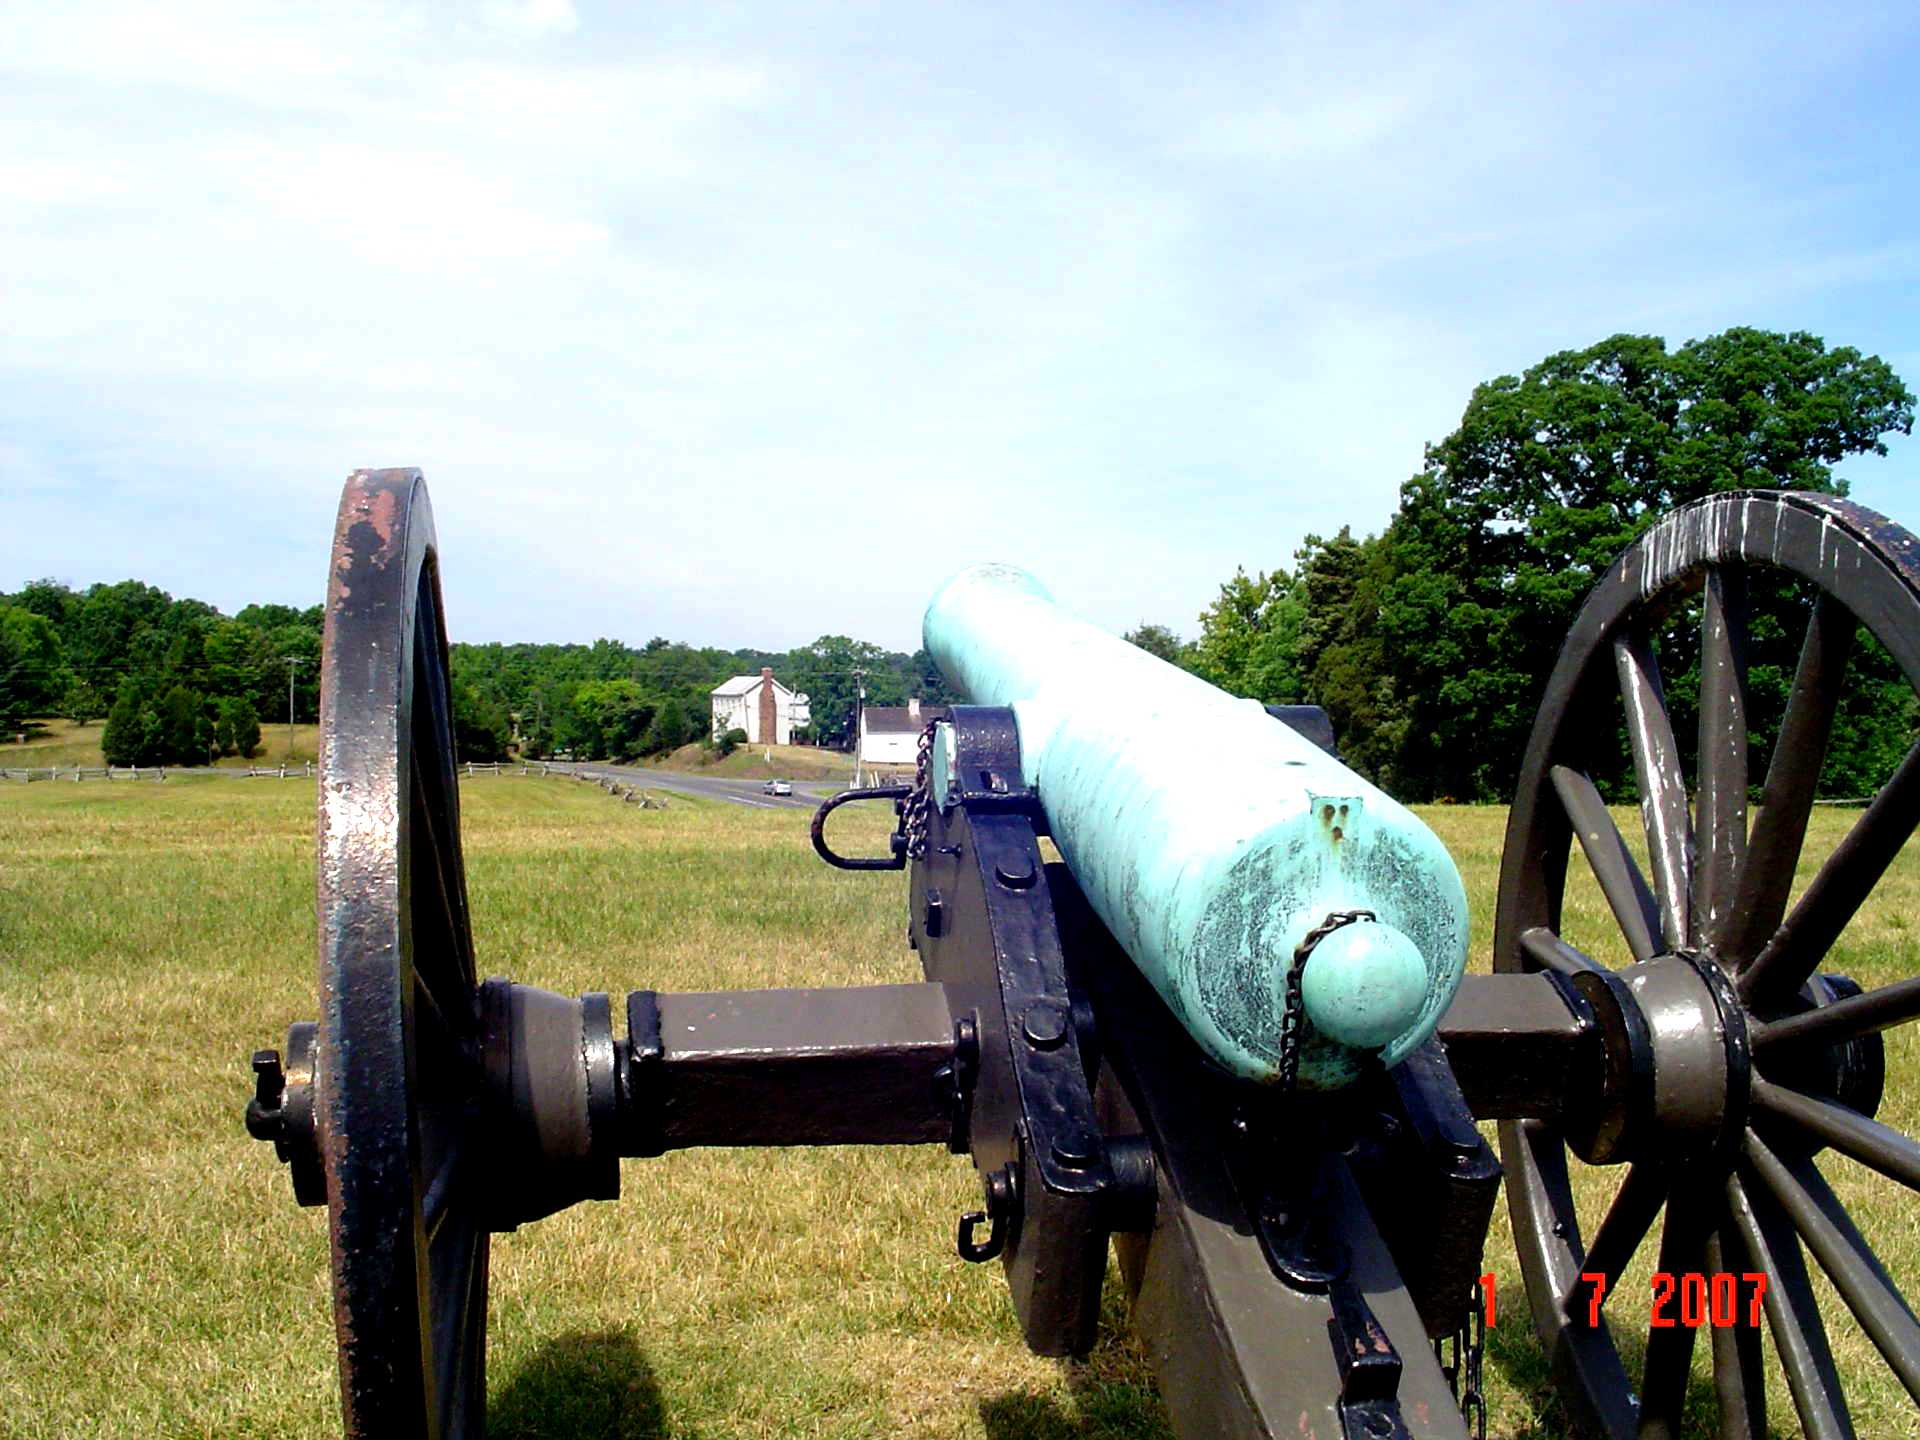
<point>1293,1018</point>
<point>1464,1373</point>
<point>1473,1399</point>
<point>919,806</point>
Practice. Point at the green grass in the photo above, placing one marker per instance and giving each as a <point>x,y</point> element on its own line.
<point>156,1278</point>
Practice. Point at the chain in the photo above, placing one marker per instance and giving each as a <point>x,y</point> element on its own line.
<point>1464,1374</point>
<point>1293,1020</point>
<point>919,806</point>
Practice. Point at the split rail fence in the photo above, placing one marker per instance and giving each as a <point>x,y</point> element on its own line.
<point>75,774</point>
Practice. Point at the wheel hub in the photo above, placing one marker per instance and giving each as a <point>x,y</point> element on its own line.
<point>1675,1063</point>
<point>1701,1059</point>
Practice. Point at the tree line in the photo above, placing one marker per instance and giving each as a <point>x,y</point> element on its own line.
<point>608,700</point>
<point>1430,643</point>
<point>179,683</point>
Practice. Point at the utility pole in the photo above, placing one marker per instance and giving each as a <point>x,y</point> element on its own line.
<point>859,722</point>
<point>294,662</point>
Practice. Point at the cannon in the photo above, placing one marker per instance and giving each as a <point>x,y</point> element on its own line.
<point>1227,1033</point>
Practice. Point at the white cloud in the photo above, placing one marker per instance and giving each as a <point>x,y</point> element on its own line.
<point>1133,298</point>
<point>533,17</point>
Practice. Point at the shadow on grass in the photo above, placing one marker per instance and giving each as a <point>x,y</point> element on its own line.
<point>589,1385</point>
<point>1101,1406</point>
<point>1110,1394</point>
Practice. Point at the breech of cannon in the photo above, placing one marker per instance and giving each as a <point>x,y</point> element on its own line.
<point>1214,843</point>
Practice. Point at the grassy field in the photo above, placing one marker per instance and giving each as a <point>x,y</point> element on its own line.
<point>156,1278</point>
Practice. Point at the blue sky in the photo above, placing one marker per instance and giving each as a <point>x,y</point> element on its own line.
<point>744,324</point>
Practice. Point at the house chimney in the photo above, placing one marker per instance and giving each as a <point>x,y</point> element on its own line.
<point>769,724</point>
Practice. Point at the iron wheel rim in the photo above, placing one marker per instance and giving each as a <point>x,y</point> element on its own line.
<point>399,1034</point>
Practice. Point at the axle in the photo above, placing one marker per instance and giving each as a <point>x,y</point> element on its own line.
<point>560,1099</point>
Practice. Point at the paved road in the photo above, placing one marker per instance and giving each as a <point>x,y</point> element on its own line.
<point>807,794</point>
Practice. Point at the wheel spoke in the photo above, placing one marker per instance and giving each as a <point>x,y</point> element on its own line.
<point>1879,1147</point>
<point>423,990</point>
<point>1793,774</point>
<point>433,894</point>
<point>436,1201</point>
<point>1663,788</point>
<point>1721,807</point>
<point>1844,1254</point>
<point>1550,952</point>
<point>1620,880</point>
<point>437,789</point>
<point>1842,1020</point>
<point>473,1346</point>
<point>453,1267</point>
<point>1838,891</point>
<point>1663,1385</point>
<point>1793,1315</point>
<point>1739,1369</point>
<point>1626,1224</point>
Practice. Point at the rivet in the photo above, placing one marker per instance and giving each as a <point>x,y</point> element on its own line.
<point>1045,1024</point>
<point>1015,874</point>
<point>1074,1149</point>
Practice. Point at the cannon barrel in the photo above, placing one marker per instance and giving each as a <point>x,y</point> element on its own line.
<point>1213,840</point>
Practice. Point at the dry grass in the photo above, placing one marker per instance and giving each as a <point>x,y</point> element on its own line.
<point>156,1278</point>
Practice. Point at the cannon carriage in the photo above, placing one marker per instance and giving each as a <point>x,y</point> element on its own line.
<point>1227,1033</point>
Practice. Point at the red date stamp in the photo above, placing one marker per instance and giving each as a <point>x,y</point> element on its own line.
<point>1691,1300</point>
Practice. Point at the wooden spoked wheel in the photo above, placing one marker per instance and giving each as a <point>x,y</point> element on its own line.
<point>1739,1073</point>
<point>398,1067</point>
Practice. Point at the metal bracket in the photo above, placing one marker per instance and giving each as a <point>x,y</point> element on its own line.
<point>984,926</point>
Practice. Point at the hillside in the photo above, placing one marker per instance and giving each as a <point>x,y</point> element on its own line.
<point>62,742</point>
<point>761,762</point>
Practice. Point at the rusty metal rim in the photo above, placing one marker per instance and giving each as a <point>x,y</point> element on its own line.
<point>398,1037</point>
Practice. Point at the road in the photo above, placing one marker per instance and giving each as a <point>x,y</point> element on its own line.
<point>807,795</point>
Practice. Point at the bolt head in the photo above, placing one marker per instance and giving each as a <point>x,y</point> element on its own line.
<point>1015,874</point>
<point>1075,1149</point>
<point>1045,1024</point>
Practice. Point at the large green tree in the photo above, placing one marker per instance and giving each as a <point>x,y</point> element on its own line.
<point>1159,641</point>
<point>236,728</point>
<point>33,670</point>
<point>1248,637</point>
<point>134,733</point>
<point>831,671</point>
<point>1549,475</point>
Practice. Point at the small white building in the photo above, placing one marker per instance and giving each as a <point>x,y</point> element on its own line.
<point>890,734</point>
<point>760,705</point>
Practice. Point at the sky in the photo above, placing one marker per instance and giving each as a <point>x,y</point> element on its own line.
<point>746,324</point>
